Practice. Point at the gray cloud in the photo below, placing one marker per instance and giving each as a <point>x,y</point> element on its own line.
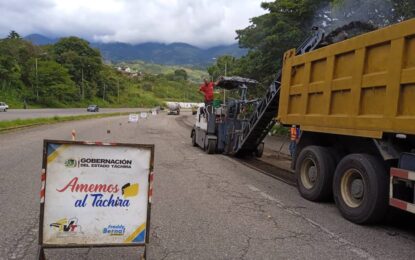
<point>199,22</point>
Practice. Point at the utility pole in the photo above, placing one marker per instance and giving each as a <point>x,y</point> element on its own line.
<point>118,91</point>
<point>224,90</point>
<point>37,85</point>
<point>82,89</point>
<point>36,73</point>
<point>215,61</point>
<point>226,67</point>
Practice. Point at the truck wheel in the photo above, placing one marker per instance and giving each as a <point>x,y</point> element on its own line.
<point>211,148</point>
<point>194,138</point>
<point>360,188</point>
<point>178,112</point>
<point>314,172</point>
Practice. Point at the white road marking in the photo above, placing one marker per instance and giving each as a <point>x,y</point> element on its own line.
<point>252,188</point>
<point>358,251</point>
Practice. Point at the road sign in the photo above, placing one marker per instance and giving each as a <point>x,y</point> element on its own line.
<point>133,118</point>
<point>95,194</point>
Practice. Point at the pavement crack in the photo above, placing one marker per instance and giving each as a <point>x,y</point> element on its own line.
<point>246,248</point>
<point>172,252</point>
<point>20,248</point>
<point>353,248</point>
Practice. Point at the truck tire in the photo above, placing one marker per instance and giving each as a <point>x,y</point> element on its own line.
<point>211,147</point>
<point>314,171</point>
<point>194,138</point>
<point>259,150</point>
<point>360,188</point>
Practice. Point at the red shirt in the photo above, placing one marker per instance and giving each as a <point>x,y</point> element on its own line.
<point>208,90</point>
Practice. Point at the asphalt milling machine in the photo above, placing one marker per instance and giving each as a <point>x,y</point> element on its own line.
<point>229,129</point>
<point>226,129</point>
<point>218,129</point>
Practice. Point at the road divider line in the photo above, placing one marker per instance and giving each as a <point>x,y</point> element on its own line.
<point>252,188</point>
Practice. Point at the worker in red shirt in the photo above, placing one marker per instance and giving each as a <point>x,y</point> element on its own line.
<point>207,89</point>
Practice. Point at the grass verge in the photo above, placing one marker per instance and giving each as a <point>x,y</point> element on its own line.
<point>20,123</point>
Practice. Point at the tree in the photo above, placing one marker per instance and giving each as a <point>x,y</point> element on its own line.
<point>15,54</point>
<point>284,27</point>
<point>83,63</point>
<point>180,74</point>
<point>13,35</point>
<point>288,22</point>
<point>54,83</point>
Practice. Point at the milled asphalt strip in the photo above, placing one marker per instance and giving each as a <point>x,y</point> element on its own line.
<point>181,121</point>
<point>273,174</point>
<point>358,251</point>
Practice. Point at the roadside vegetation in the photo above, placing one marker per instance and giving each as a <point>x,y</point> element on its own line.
<point>70,73</point>
<point>190,73</point>
<point>18,123</point>
<point>287,23</point>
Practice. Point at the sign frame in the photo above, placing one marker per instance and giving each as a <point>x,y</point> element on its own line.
<point>46,142</point>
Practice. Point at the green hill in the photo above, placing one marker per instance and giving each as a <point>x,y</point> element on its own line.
<point>69,73</point>
<point>193,74</point>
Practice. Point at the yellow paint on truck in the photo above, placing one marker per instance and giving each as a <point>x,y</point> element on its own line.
<point>364,86</point>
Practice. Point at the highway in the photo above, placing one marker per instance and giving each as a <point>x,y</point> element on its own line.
<point>13,114</point>
<point>205,206</point>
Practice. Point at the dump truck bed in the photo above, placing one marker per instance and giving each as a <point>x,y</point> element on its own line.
<point>363,86</point>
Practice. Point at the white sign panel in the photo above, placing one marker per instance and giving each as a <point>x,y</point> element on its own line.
<point>96,193</point>
<point>133,118</point>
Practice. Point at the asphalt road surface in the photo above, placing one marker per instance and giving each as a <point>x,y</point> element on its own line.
<point>204,206</point>
<point>12,114</point>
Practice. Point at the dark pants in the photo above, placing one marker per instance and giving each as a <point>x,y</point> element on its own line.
<point>208,106</point>
<point>293,148</point>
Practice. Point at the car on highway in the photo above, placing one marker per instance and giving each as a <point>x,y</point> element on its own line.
<point>92,108</point>
<point>173,107</point>
<point>3,107</point>
<point>194,109</point>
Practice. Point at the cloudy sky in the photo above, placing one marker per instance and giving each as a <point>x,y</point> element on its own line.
<point>203,23</point>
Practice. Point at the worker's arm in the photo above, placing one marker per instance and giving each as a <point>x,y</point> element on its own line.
<point>201,88</point>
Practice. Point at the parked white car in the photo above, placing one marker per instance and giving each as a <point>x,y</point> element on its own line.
<point>3,107</point>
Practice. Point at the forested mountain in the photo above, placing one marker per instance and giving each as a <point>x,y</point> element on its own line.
<point>39,39</point>
<point>71,73</point>
<point>169,54</point>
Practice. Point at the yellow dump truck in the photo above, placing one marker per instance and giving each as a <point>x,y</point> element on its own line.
<point>354,102</point>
